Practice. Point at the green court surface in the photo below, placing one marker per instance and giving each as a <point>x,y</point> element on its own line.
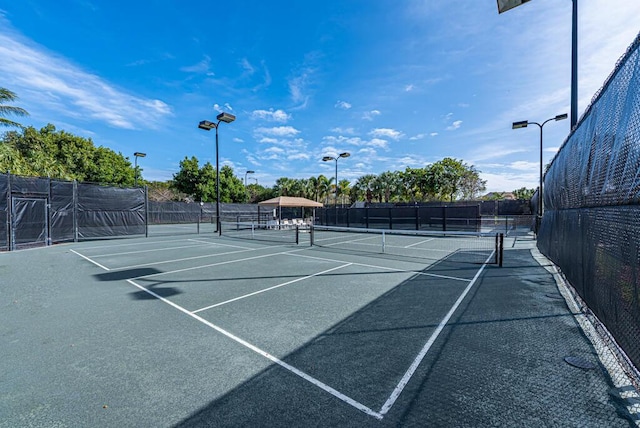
<point>201,330</point>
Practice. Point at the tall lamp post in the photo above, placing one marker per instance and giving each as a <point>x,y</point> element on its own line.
<point>135,177</point>
<point>208,126</point>
<point>245,177</point>
<point>331,158</point>
<point>524,124</point>
<point>505,5</point>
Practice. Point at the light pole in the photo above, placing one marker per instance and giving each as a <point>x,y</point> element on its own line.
<point>523,124</point>
<point>135,177</point>
<point>505,5</point>
<point>330,158</point>
<point>245,177</point>
<point>207,126</point>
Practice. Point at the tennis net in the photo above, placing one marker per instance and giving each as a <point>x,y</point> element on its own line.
<point>460,247</point>
<point>259,232</point>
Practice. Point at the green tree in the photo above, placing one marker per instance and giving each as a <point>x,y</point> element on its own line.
<point>187,178</point>
<point>344,186</point>
<point>524,193</point>
<point>59,154</point>
<point>5,110</point>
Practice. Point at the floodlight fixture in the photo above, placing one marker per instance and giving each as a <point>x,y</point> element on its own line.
<point>208,126</point>
<point>523,124</point>
<point>331,158</point>
<point>226,117</point>
<point>245,176</point>
<point>135,171</point>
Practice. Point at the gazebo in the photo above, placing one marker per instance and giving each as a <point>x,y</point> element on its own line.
<point>289,202</point>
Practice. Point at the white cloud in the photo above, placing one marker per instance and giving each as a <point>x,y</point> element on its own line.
<point>370,115</point>
<point>278,131</point>
<point>238,140</point>
<point>418,137</point>
<point>409,88</point>
<point>433,134</point>
<point>271,115</point>
<point>202,67</point>
<point>298,156</point>
<point>455,125</point>
<point>227,107</point>
<point>342,105</point>
<point>377,142</point>
<point>524,166</point>
<point>348,131</point>
<point>52,82</point>
<point>386,132</point>
<point>274,150</point>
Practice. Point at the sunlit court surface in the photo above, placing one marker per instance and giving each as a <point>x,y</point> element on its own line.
<point>207,330</point>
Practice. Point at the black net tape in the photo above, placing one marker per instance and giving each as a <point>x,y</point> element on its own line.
<point>591,223</point>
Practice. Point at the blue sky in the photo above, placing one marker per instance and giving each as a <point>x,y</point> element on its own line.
<point>397,83</point>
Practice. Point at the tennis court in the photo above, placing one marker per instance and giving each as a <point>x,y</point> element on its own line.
<point>202,330</point>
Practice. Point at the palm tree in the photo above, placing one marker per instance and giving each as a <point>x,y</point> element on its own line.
<point>344,186</point>
<point>7,96</point>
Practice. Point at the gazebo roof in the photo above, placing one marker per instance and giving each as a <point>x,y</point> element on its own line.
<point>290,201</point>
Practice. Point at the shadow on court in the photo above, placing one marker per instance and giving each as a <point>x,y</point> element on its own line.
<point>498,362</point>
<point>156,289</point>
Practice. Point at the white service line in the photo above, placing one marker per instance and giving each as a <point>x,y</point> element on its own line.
<point>454,278</point>
<point>418,243</point>
<point>89,260</point>
<point>145,242</point>
<point>270,288</point>
<point>416,362</point>
<point>151,250</point>
<point>212,264</point>
<point>221,245</point>
<point>185,259</point>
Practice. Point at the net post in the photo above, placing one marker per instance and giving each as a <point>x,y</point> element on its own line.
<point>311,234</point>
<point>383,242</point>
<point>501,249</point>
<point>297,234</point>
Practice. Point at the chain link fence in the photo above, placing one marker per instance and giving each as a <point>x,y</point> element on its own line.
<point>591,223</point>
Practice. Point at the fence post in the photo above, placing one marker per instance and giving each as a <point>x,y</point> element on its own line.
<point>417,217</point>
<point>366,216</point>
<point>75,210</point>
<point>390,218</point>
<point>444,219</point>
<point>146,211</point>
<point>49,214</point>
<point>9,212</point>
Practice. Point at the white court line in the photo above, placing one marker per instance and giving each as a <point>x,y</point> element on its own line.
<point>189,258</point>
<point>212,264</point>
<point>342,397</point>
<point>418,243</point>
<point>222,245</point>
<point>89,260</point>
<point>267,355</point>
<point>270,288</point>
<point>151,250</point>
<point>414,366</point>
<point>144,242</point>
<point>454,278</point>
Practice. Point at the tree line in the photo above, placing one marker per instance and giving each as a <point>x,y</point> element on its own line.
<point>58,154</point>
